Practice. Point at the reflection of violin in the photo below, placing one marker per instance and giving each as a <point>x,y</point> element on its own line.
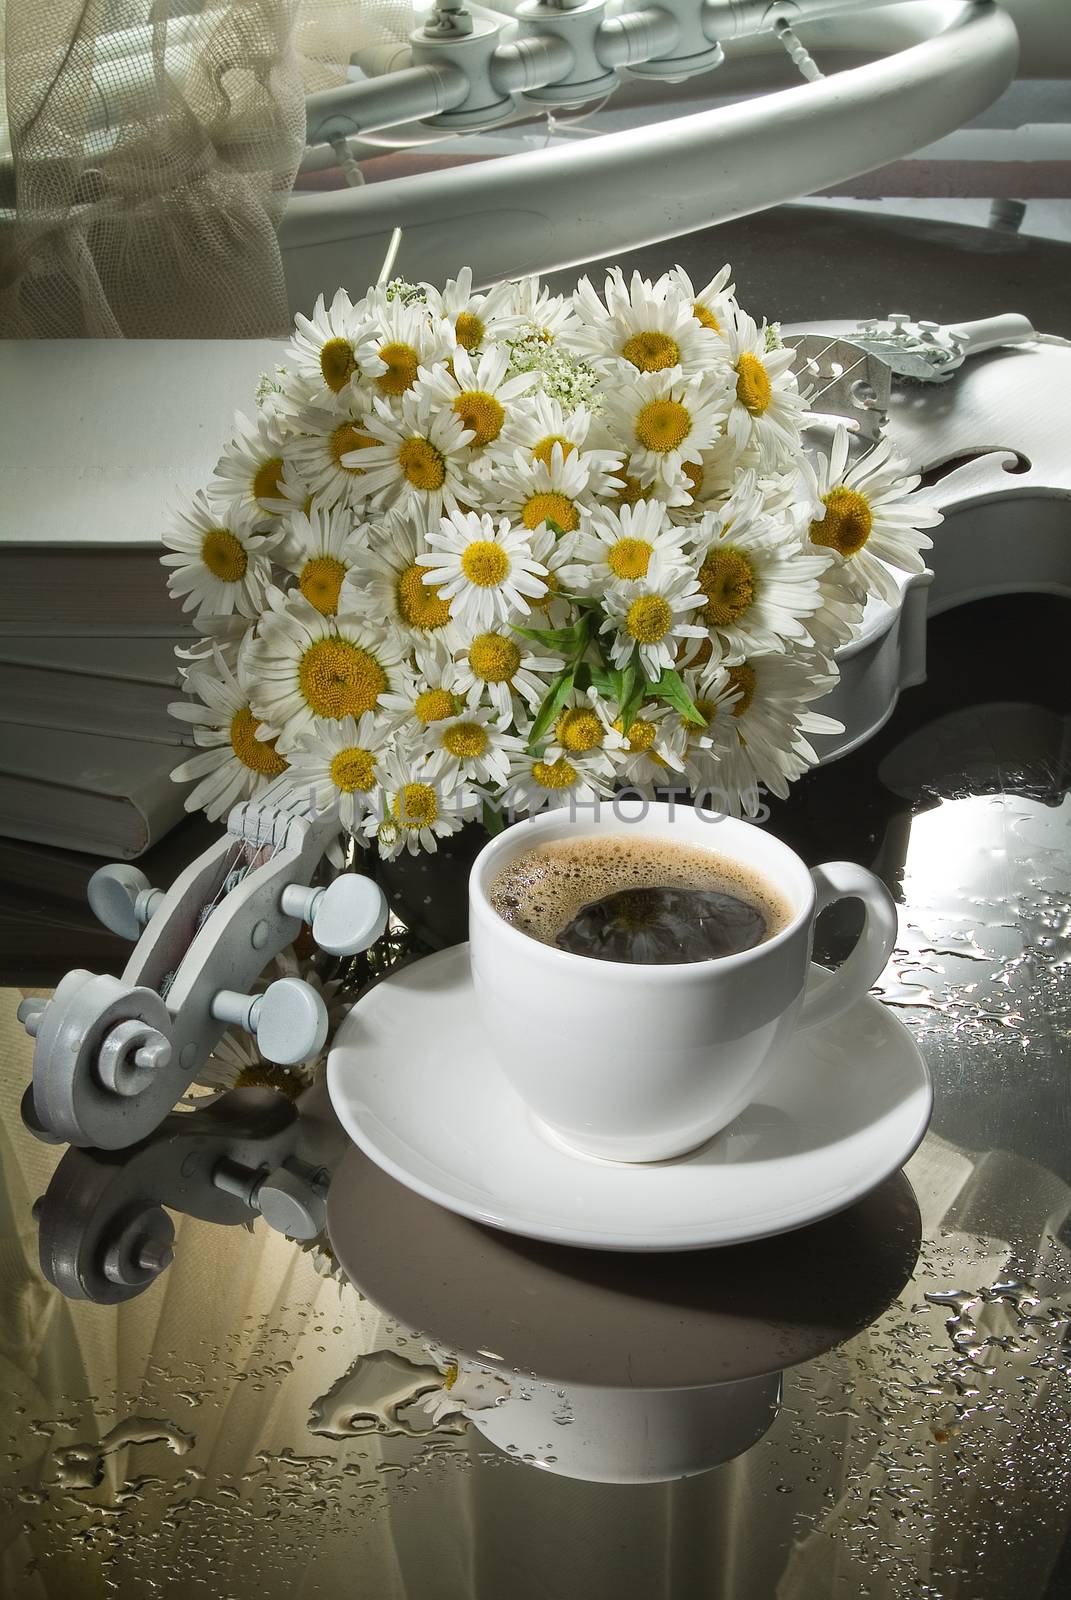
<point>113,1055</point>
<point>662,1366</point>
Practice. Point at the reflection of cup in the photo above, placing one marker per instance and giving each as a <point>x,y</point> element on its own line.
<point>635,1062</point>
<point>629,1435</point>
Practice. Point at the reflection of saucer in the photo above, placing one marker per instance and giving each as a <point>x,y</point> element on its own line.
<point>415,1087</point>
<point>662,1365</point>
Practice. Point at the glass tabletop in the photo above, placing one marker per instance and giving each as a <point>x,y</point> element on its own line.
<point>875,1405</point>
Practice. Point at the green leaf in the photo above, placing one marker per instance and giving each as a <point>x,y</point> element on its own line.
<point>634,690</point>
<point>670,688</point>
<point>492,817</point>
<point>606,679</point>
<point>555,698</point>
<point>572,639</point>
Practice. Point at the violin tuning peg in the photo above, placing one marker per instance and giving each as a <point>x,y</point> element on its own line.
<point>122,898</point>
<point>346,916</point>
<point>289,1019</point>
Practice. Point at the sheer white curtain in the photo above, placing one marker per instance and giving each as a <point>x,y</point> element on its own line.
<point>150,155</point>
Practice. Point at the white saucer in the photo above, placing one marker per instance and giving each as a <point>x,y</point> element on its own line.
<point>415,1087</point>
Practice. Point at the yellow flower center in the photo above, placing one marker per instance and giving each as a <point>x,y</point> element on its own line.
<point>468,330</point>
<point>579,730</point>
<point>345,440</point>
<point>259,755</point>
<point>422,464</point>
<point>485,563</point>
<point>630,493</point>
<point>482,414</point>
<point>743,679</point>
<point>352,769</point>
<point>465,740</point>
<point>266,479</point>
<point>552,507</point>
<point>419,602</point>
<point>640,736</point>
<point>649,618</point>
<point>224,556</point>
<point>694,473</point>
<point>320,582</point>
<point>337,363</point>
<point>695,657</point>
<point>544,450</point>
<point>753,389</point>
<point>847,523</point>
<point>704,315</point>
<point>401,362</point>
<point>415,806</point>
<point>494,658</point>
<point>337,678</point>
<point>728,581</point>
<point>434,705</point>
<point>663,425</point>
<point>630,558</point>
<point>266,1075</point>
<point>560,774</point>
<point>651,351</point>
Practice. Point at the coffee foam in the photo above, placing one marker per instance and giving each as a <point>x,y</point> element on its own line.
<point>541,891</point>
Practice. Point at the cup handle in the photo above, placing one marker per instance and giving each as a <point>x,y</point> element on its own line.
<point>826,997</point>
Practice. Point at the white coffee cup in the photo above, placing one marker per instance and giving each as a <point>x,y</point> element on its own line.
<point>638,1062</point>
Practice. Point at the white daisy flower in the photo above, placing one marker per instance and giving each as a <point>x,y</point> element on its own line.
<point>664,421</point>
<point>303,665</point>
<point>536,783</point>
<point>650,617</point>
<point>479,393</point>
<point>417,810</point>
<point>619,545</point>
<point>542,424</point>
<point>707,483</point>
<point>406,338</point>
<point>473,746</point>
<point>432,688</point>
<point>232,763</point>
<point>653,745</point>
<point>386,582</point>
<point>483,572</point>
<point>714,305</point>
<point>471,317</point>
<point>340,763</point>
<point>333,352</point>
<point>223,634</point>
<point>644,326</point>
<point>584,728</point>
<point>871,515</point>
<point>236,1063</point>
<point>248,472</point>
<point>759,722</point>
<point>766,407</point>
<point>760,585</point>
<point>535,494</point>
<point>327,456</point>
<point>558,554</point>
<point>497,666</point>
<point>418,460</point>
<point>219,563</point>
<point>533,309</point>
<point>321,549</point>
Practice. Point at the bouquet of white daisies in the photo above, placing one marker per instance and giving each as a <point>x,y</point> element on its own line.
<point>476,554</point>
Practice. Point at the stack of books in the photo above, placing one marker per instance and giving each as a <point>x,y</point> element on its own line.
<point>100,438</point>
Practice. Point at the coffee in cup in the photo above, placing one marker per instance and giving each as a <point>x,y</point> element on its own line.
<point>641,900</point>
